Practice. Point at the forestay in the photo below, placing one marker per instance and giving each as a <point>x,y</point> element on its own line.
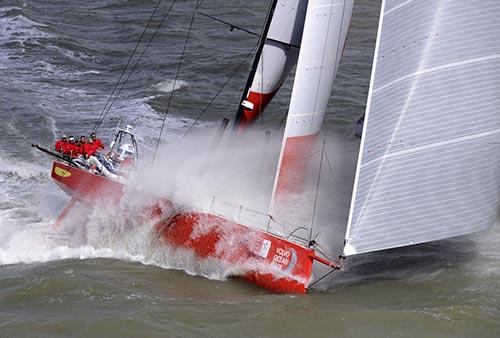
<point>429,165</point>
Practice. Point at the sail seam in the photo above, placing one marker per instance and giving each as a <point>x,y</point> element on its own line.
<point>438,68</point>
<point>395,8</point>
<point>433,145</point>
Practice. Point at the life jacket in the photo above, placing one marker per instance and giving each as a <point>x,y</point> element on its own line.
<point>88,149</point>
<point>60,145</point>
<point>98,145</point>
<point>71,149</point>
<point>79,147</point>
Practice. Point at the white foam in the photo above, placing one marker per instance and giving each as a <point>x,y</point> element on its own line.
<point>167,86</point>
<point>23,170</point>
<point>105,234</point>
<point>19,28</point>
<point>89,72</point>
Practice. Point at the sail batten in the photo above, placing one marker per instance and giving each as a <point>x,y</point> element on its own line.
<point>429,165</point>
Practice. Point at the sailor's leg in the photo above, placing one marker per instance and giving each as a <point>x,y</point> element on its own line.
<point>106,163</point>
<point>65,212</point>
<point>94,161</point>
<point>81,162</point>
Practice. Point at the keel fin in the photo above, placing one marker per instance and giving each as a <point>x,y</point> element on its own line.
<point>64,213</point>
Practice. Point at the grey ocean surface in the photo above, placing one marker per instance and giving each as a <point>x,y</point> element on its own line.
<point>59,61</point>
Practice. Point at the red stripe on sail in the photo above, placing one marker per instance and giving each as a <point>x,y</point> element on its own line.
<point>260,102</point>
<point>294,165</point>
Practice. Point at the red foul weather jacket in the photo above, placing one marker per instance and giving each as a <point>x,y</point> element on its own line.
<point>60,145</point>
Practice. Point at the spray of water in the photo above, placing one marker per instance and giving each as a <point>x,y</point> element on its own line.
<point>188,172</point>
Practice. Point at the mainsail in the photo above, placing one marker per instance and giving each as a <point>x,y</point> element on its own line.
<point>429,165</point>
<point>277,59</point>
<point>325,30</point>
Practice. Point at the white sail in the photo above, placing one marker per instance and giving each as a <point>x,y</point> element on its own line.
<point>325,30</point>
<point>278,57</point>
<point>429,165</point>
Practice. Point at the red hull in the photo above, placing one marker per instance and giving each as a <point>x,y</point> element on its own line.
<point>266,260</point>
<point>82,185</point>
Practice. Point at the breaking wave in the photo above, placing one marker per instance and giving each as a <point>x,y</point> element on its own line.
<point>167,86</point>
<point>16,27</point>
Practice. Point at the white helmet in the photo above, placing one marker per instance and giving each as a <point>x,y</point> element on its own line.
<point>126,150</point>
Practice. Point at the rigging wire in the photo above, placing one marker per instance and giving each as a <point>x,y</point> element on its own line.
<point>317,184</point>
<point>198,4</point>
<point>99,120</point>
<point>128,63</point>
<point>106,110</point>
<point>322,277</point>
<point>261,62</point>
<point>255,63</point>
<point>243,29</point>
<point>231,26</point>
<point>281,123</point>
<point>220,90</point>
<point>330,166</point>
<point>183,53</point>
<point>324,130</point>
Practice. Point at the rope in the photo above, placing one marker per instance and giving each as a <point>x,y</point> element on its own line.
<point>105,111</point>
<point>175,81</point>
<point>220,90</point>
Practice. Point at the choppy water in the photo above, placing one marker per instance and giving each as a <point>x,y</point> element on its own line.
<point>59,61</point>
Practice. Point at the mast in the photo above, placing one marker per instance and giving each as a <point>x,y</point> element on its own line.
<point>429,164</point>
<point>255,62</point>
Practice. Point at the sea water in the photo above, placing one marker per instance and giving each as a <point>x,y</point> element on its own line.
<point>103,274</point>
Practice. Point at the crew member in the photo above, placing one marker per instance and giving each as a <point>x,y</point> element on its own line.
<point>82,146</point>
<point>98,145</point>
<point>79,146</point>
<point>61,144</point>
<point>72,149</point>
<point>88,148</point>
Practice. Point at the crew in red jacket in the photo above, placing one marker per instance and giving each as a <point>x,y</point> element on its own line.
<point>87,148</point>
<point>61,144</point>
<point>71,148</point>
<point>81,145</point>
<point>98,145</point>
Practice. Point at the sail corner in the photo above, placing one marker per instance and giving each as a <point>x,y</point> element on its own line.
<point>349,249</point>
